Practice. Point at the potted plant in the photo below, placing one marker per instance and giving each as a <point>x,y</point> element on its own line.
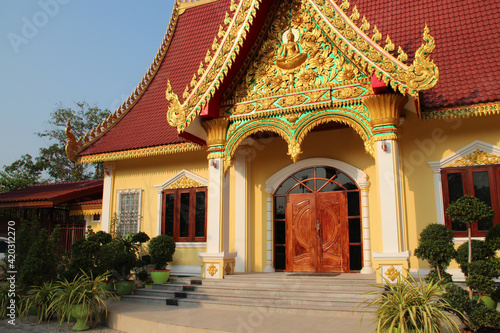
<point>161,249</point>
<point>411,305</point>
<point>436,246</point>
<point>79,298</point>
<point>119,256</point>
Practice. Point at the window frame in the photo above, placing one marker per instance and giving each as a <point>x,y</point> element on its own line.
<point>139,207</point>
<point>468,189</point>
<point>192,214</point>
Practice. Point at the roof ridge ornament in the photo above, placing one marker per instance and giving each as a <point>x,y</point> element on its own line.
<point>423,74</point>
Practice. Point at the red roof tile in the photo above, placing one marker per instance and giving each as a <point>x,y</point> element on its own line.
<point>465,32</point>
<point>466,35</point>
<point>54,193</point>
<point>145,125</point>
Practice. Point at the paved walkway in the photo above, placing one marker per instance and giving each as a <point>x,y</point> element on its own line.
<point>145,318</point>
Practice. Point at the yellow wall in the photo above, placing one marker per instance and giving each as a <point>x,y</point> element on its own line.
<point>144,174</point>
<point>419,142</point>
<point>432,140</point>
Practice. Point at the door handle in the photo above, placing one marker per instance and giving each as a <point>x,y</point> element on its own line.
<point>318,228</point>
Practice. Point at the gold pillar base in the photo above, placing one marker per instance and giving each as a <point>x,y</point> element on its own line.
<point>217,266</point>
<point>390,267</point>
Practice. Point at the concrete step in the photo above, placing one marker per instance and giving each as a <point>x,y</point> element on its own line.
<point>276,292</point>
<point>333,311</point>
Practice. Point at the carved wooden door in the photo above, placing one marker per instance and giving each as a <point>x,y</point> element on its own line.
<point>317,232</point>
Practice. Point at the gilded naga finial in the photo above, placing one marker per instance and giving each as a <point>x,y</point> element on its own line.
<point>72,146</point>
<point>423,74</point>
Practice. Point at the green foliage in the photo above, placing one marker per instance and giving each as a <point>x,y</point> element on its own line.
<point>42,296</point>
<point>468,209</point>
<point>83,290</point>
<point>38,255</point>
<point>481,274</point>
<point>480,251</point>
<point>411,304</point>
<point>142,275</point>
<point>493,238</point>
<point>20,174</point>
<point>85,254</point>
<point>161,249</point>
<point>119,256</point>
<point>436,246</point>
<point>444,277</point>
<point>140,237</point>
<point>83,118</point>
<point>477,315</point>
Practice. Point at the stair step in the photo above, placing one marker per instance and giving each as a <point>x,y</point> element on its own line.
<point>275,292</point>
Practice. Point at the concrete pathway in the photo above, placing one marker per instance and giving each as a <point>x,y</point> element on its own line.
<point>150,318</point>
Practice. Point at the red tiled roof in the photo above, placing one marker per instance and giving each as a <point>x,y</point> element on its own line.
<point>466,35</point>
<point>52,193</point>
<point>145,125</point>
<point>465,32</point>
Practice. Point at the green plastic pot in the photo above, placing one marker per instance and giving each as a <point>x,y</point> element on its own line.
<point>487,300</point>
<point>124,287</point>
<point>105,286</point>
<point>160,276</point>
<point>148,285</point>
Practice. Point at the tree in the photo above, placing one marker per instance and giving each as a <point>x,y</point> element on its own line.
<point>52,160</point>
<point>83,119</point>
<point>22,173</point>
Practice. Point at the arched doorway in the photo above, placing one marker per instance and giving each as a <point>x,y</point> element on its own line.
<point>317,222</point>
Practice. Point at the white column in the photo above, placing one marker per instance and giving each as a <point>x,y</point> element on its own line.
<point>159,209</point>
<point>215,203</point>
<point>365,222</point>
<point>269,231</point>
<point>386,152</point>
<point>240,211</point>
<point>107,191</point>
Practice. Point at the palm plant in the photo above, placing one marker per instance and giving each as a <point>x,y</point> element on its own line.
<point>82,292</point>
<point>411,305</point>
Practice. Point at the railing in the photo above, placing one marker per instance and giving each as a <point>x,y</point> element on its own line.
<point>70,233</point>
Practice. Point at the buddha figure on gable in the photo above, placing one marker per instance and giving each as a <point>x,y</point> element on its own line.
<point>289,57</point>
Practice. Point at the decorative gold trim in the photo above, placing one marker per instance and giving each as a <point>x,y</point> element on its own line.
<point>477,157</point>
<point>138,153</point>
<point>216,131</point>
<point>212,269</point>
<point>126,106</point>
<point>392,273</point>
<point>185,4</point>
<point>484,109</point>
<point>185,182</point>
<point>85,212</point>
<point>228,269</point>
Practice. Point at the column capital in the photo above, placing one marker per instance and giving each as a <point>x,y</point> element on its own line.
<point>216,131</point>
<point>385,110</point>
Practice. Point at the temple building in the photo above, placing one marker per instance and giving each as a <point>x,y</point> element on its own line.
<point>305,135</point>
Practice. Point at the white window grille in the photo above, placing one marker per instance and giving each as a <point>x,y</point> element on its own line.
<point>129,212</point>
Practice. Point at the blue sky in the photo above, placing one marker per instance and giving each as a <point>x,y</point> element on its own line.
<point>65,51</point>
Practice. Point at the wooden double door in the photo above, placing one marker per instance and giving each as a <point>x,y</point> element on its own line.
<point>317,232</point>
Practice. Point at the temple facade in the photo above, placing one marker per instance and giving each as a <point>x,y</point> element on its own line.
<point>305,135</point>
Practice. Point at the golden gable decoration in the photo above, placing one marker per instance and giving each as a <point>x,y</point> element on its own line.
<point>477,157</point>
<point>185,182</point>
<point>308,34</point>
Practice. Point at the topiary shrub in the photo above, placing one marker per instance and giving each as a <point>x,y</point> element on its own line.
<point>161,249</point>
<point>480,251</point>
<point>493,238</point>
<point>436,246</point>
